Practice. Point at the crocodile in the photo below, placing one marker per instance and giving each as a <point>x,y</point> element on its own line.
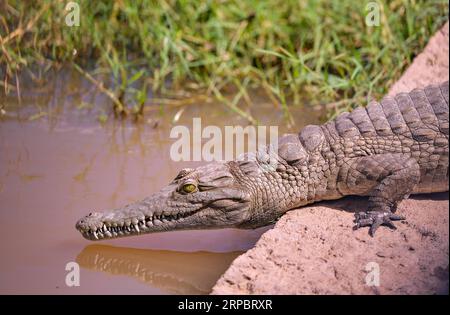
<point>385,151</point>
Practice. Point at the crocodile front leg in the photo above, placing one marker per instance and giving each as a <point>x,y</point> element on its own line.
<point>376,218</point>
<point>387,179</point>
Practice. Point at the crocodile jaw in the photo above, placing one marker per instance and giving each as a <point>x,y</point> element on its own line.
<point>98,226</point>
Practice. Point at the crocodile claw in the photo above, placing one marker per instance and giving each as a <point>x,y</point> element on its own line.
<point>376,218</point>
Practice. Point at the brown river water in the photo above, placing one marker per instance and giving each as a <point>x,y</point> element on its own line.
<point>58,163</point>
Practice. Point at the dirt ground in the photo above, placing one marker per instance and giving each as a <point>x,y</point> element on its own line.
<point>314,250</point>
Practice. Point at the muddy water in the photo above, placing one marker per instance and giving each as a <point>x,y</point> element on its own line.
<point>58,162</point>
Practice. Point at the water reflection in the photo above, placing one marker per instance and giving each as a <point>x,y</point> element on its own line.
<point>171,271</point>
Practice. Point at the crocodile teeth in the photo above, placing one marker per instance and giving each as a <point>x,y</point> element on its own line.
<point>136,227</point>
<point>105,228</point>
<point>107,233</point>
<point>95,235</point>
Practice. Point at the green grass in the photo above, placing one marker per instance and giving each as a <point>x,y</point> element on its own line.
<point>318,51</point>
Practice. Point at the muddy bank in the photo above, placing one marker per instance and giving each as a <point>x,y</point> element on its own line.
<point>314,250</point>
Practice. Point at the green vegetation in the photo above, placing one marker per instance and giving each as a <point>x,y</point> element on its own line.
<point>319,51</point>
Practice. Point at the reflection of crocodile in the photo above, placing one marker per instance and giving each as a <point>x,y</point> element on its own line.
<point>385,151</point>
<point>174,272</point>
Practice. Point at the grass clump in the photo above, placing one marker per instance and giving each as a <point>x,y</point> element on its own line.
<point>317,50</point>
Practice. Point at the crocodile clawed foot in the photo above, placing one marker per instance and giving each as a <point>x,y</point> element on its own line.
<point>376,218</point>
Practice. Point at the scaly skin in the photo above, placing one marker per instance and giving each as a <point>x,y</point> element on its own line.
<point>385,151</point>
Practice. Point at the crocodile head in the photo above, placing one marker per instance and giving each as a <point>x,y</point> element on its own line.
<point>210,196</point>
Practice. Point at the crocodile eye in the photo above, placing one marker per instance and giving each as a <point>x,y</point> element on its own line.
<point>189,188</point>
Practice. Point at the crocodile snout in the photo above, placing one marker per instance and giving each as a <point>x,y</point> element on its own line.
<point>88,222</point>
